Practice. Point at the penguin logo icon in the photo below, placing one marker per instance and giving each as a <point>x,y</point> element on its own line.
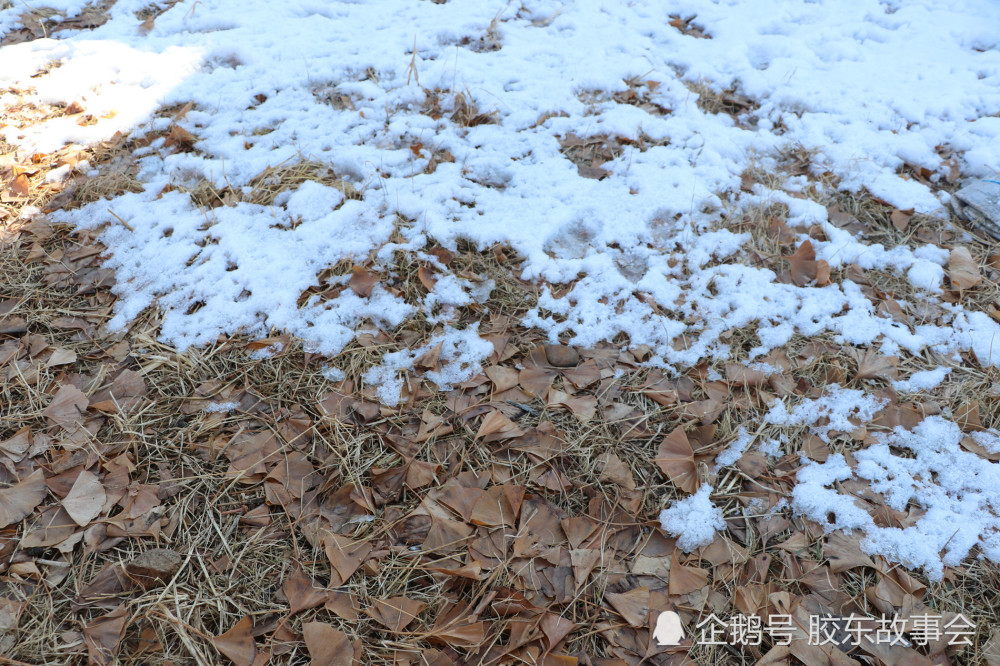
<point>668,629</point>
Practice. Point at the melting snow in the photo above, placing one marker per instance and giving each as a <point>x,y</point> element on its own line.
<point>340,82</point>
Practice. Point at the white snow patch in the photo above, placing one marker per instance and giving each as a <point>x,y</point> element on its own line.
<point>220,407</point>
<point>735,449</point>
<point>841,409</point>
<point>694,520</point>
<point>462,353</point>
<point>956,493</point>
<point>924,380</point>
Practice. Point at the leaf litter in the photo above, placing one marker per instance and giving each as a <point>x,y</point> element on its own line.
<point>512,513</point>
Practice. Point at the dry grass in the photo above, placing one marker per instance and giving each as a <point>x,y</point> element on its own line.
<point>240,544</point>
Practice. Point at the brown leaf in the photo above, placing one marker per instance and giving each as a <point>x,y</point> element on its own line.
<point>429,359</point>
<point>19,500</point>
<point>123,393</point>
<point>583,375</point>
<point>180,137</point>
<point>10,613</point>
<point>660,389</point>
<point>103,634</point>
<point>105,588</point>
<point>844,552</point>
<point>633,605</point>
<point>614,470</point>
<point>536,381</point>
<point>461,500</point>
<point>676,458</point>
<point>871,365</point>
<point>395,613</point>
<point>583,560</point>
<point>361,282</point>
<point>685,579</point>
<point>21,185</point>
<point>503,378</point>
<point>327,646</point>
<point>962,270</point>
<point>238,643</point>
<point>499,505</point>
<point>302,592</point>
<point>496,426</point>
<point>446,535</point>
<point>343,604</point>
<point>85,498</point>
<point>901,218</point>
<point>803,264</point>
<point>472,571</point>
<point>741,375</point>
<point>594,172</point>
<point>67,406</point>
<point>61,357</point>
<point>583,408</point>
<point>555,627</point>
<point>426,276</point>
<point>420,473</point>
<point>457,627</point>
<point>18,445</point>
<point>345,556</point>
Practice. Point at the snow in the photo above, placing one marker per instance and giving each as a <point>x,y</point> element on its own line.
<point>839,409</point>
<point>461,354</point>
<point>957,494</point>
<point>923,380</point>
<point>651,252</point>
<point>221,407</point>
<point>735,449</point>
<point>694,520</point>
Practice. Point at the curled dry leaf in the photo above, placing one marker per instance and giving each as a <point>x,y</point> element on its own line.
<point>20,186</point>
<point>499,505</point>
<point>18,445</point>
<point>67,407</point>
<point>328,646</point>
<point>676,458</point>
<point>361,282</point>
<point>901,218</point>
<point>962,270</point>
<point>583,560</point>
<point>503,378</point>
<point>396,613</point>
<point>19,500</point>
<point>556,628</point>
<point>345,556</point>
<point>583,408</point>
<point>633,605</point>
<point>496,426</point>
<point>685,579</point>
<point>302,592</point>
<point>103,634</point>
<point>238,643</point>
<point>85,498</point>
<point>426,276</point>
<point>457,627</point>
<point>614,470</point>
<point>803,265</point>
<point>844,552</point>
<point>822,273</point>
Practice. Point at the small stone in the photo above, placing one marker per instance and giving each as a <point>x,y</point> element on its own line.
<point>562,356</point>
<point>154,567</point>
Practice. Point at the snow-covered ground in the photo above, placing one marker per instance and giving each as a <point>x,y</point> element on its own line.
<point>487,91</point>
